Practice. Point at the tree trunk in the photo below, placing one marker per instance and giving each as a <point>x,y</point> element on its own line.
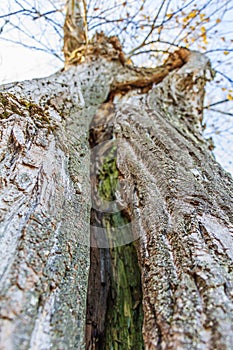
<point>154,186</point>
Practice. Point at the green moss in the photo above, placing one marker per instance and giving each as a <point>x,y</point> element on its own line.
<point>108,176</point>
<point>9,105</point>
<point>124,316</point>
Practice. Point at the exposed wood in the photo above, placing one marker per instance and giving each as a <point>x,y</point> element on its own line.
<point>114,303</point>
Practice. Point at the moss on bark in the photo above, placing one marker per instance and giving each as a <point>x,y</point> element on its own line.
<point>122,309</point>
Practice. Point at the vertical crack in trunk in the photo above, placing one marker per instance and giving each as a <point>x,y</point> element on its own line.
<point>114,302</point>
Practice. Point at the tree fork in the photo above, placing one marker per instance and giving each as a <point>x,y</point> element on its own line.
<point>181,204</point>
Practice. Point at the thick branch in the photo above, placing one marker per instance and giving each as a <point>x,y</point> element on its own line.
<point>75,27</point>
<point>146,77</point>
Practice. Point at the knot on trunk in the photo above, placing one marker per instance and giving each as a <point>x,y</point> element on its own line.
<point>99,46</point>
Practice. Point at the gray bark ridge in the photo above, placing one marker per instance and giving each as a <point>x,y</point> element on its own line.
<point>182,210</point>
<point>45,206</point>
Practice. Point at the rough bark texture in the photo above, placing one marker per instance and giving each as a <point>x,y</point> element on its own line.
<point>45,207</point>
<point>182,203</point>
<point>177,197</point>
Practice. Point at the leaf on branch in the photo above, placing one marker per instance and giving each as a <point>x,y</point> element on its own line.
<point>203,30</point>
<point>160,29</point>
<point>202,16</point>
<point>204,37</point>
<point>190,16</point>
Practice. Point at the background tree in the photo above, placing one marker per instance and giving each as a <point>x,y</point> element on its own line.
<point>159,207</point>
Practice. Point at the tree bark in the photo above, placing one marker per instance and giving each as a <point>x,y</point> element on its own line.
<point>45,207</point>
<point>182,202</point>
<point>176,198</point>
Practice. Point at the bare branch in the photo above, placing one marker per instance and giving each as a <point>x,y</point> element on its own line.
<point>13,13</point>
<point>46,49</point>
<point>216,103</point>
<point>219,111</point>
<point>225,76</point>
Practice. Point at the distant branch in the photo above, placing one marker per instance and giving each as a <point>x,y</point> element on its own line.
<point>222,112</point>
<point>39,15</point>
<point>223,50</point>
<point>14,13</point>
<point>216,103</point>
<point>225,76</point>
<point>153,26</point>
<point>46,50</point>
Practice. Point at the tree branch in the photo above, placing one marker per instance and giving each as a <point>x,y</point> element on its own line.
<point>75,27</point>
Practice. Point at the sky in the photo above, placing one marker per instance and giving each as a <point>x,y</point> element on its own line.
<point>19,63</point>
